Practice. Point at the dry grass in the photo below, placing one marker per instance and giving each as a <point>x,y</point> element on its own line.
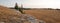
<point>50,16</point>
<point>11,16</point>
<point>7,15</point>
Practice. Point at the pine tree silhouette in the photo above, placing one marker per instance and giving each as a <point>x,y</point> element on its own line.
<point>20,9</point>
<point>16,6</point>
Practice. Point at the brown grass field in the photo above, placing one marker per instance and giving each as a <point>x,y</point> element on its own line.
<point>49,16</point>
<point>7,15</point>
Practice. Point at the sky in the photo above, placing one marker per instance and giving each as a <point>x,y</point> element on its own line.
<point>32,3</point>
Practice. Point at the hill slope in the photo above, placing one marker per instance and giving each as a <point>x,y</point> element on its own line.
<point>8,15</point>
<point>13,16</point>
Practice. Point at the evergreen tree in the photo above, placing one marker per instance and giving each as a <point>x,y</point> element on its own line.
<point>20,9</point>
<point>16,6</point>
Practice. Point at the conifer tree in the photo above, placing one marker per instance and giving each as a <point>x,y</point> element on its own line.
<point>16,6</point>
<point>20,9</point>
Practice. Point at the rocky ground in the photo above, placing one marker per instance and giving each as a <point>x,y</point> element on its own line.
<point>14,16</point>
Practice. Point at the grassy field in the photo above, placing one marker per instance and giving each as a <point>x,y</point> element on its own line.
<point>8,15</point>
<point>50,16</point>
<point>12,16</point>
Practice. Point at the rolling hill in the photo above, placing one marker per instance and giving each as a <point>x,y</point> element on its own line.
<point>8,15</point>
<point>13,16</point>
